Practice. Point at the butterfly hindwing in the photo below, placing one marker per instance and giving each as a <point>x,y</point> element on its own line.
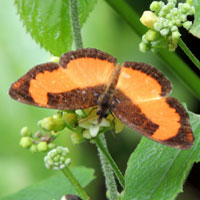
<point>140,103</point>
<point>75,83</point>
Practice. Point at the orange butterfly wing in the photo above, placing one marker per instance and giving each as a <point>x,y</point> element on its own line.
<point>140,103</point>
<point>75,83</point>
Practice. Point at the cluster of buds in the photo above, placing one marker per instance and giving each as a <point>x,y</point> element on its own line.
<point>57,158</point>
<point>164,21</point>
<point>37,142</point>
<point>82,123</point>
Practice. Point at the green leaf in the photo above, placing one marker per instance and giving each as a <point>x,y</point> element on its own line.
<point>156,171</point>
<point>195,30</point>
<point>54,187</point>
<point>48,22</point>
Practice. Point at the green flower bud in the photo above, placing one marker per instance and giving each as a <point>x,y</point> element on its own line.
<point>57,158</point>
<point>54,59</point>
<point>174,28</point>
<point>161,4</point>
<point>77,138</point>
<point>143,47</point>
<point>70,118</point>
<point>172,1</point>
<point>158,26</point>
<point>55,133</point>
<point>172,47</point>
<point>155,6</point>
<point>189,2</point>
<point>26,142</point>
<point>175,35</point>
<point>144,39</point>
<point>151,35</point>
<point>185,8</point>
<point>168,16</point>
<point>33,148</point>
<point>148,19</point>
<point>187,25</point>
<point>86,134</point>
<point>42,146</point>
<point>164,31</point>
<point>174,11</point>
<point>52,123</point>
<point>183,17</point>
<point>192,11</point>
<point>51,146</point>
<point>162,13</point>
<point>178,22</point>
<point>25,131</point>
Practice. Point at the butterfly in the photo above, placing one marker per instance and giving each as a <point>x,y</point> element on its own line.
<point>135,92</point>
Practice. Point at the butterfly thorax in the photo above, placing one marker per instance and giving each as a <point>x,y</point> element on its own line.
<point>105,100</point>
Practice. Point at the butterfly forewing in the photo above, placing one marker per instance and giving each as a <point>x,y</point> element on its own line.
<point>75,83</point>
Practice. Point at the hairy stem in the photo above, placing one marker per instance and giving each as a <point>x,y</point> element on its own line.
<point>76,30</point>
<point>107,170</point>
<point>101,144</point>
<point>81,192</point>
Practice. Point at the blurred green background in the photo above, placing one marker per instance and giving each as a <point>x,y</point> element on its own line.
<point>18,53</point>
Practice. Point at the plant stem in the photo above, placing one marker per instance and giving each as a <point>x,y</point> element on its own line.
<point>173,61</point>
<point>101,144</point>
<point>107,170</point>
<point>81,192</point>
<point>187,51</point>
<point>76,30</point>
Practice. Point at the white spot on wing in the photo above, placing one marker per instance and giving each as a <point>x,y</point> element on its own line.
<point>125,75</point>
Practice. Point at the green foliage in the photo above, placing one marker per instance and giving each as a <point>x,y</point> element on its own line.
<point>195,30</point>
<point>48,22</point>
<point>54,187</point>
<point>156,171</point>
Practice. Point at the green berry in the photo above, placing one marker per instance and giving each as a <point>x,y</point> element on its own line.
<point>187,25</point>
<point>42,146</point>
<point>26,142</point>
<point>25,131</point>
<point>33,148</point>
<point>151,35</point>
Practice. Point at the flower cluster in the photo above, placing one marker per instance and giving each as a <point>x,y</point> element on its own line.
<point>37,142</point>
<point>164,21</point>
<point>82,123</point>
<point>57,158</point>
